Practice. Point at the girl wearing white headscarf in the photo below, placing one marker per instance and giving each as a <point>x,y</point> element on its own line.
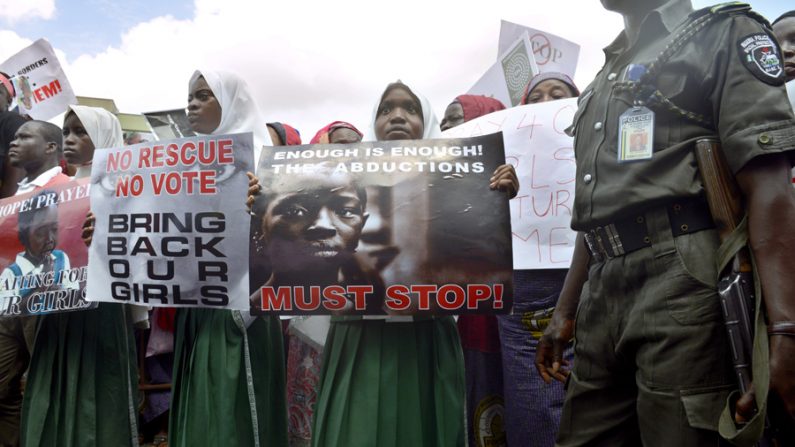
<point>239,112</point>
<point>102,129</point>
<point>393,381</point>
<point>430,124</point>
<point>82,382</point>
<point>229,385</point>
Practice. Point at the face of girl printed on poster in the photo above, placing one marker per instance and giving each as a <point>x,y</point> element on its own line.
<point>312,222</point>
<point>308,228</point>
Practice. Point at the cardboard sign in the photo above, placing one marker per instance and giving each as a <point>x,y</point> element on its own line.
<point>552,53</point>
<point>42,90</point>
<point>507,79</point>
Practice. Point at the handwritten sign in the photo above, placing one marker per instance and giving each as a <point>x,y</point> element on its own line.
<point>543,155</point>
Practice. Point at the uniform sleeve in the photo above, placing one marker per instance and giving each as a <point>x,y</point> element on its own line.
<point>750,105</point>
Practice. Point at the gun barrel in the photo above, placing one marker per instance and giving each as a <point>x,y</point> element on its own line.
<point>736,306</point>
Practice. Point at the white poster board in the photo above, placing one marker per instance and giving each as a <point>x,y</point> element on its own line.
<point>172,227</point>
<point>543,155</point>
<point>552,53</point>
<point>42,90</point>
<point>509,76</point>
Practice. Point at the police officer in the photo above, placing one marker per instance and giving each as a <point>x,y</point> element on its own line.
<point>652,365</point>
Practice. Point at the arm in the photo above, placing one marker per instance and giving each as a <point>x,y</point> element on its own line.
<point>770,198</point>
<point>549,353</point>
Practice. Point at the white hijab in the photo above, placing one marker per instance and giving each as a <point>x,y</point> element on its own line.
<point>430,128</point>
<point>239,111</point>
<point>102,127</point>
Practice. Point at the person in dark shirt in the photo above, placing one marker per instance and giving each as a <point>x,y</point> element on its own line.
<point>9,123</point>
<point>652,361</point>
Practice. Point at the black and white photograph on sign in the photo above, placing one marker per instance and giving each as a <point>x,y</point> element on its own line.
<point>172,223</point>
<point>170,124</point>
<point>382,227</point>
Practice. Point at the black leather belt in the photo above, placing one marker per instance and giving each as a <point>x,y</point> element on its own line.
<point>630,234</point>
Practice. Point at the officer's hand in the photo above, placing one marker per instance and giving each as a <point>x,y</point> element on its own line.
<point>744,408</point>
<point>782,379</point>
<point>254,189</point>
<point>88,229</point>
<point>504,179</point>
<point>549,353</point>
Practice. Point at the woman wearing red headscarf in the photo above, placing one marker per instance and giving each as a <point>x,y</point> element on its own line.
<point>338,132</point>
<point>468,107</point>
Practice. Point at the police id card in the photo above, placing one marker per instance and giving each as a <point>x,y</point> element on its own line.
<point>635,134</point>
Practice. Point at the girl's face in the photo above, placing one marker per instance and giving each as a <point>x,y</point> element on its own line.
<point>78,149</point>
<point>399,116</point>
<point>785,33</point>
<point>453,116</point>
<point>549,90</point>
<point>343,135</point>
<point>204,110</point>
<point>313,220</point>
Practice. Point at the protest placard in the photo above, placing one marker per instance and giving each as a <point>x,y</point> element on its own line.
<point>390,226</point>
<point>42,90</point>
<point>171,224</point>
<point>42,256</point>
<point>507,79</point>
<point>543,155</point>
<point>552,53</point>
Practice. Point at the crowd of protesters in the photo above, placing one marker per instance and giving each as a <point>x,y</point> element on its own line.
<point>72,379</point>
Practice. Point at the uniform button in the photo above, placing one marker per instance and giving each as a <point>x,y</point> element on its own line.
<point>598,126</point>
<point>765,139</point>
<point>587,178</point>
<point>611,77</point>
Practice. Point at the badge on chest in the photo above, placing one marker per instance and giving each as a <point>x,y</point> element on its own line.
<point>635,134</point>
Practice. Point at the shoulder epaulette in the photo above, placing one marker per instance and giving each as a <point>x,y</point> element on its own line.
<point>729,7</point>
<point>732,8</point>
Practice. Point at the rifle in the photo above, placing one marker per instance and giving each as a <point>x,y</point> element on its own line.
<point>736,282</point>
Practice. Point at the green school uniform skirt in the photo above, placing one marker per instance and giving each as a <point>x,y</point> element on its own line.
<point>229,386</point>
<point>83,382</point>
<point>391,384</point>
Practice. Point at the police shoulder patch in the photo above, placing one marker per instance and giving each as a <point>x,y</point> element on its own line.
<point>761,56</point>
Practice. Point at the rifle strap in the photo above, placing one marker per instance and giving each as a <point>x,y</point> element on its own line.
<point>750,433</point>
<point>645,90</point>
